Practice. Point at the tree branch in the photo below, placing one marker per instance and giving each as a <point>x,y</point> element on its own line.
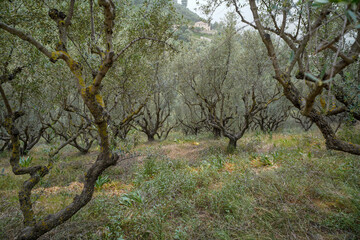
<point>27,38</point>
<point>70,13</point>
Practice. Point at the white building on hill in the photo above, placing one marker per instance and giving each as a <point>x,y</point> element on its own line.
<point>202,25</point>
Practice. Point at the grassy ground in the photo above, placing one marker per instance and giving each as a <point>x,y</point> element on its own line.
<point>279,186</point>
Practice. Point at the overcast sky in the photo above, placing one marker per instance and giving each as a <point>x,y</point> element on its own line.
<point>219,13</point>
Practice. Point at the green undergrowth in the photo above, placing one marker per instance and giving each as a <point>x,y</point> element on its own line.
<point>350,134</point>
<point>302,198</point>
<point>275,186</point>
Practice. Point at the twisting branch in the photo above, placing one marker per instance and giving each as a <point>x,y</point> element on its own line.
<point>109,13</point>
<point>35,172</point>
<point>27,38</point>
<point>59,17</point>
<point>310,100</point>
<point>64,144</point>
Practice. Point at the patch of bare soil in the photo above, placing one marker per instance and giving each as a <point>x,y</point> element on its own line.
<point>74,187</point>
<point>261,169</point>
<point>75,153</point>
<point>190,151</point>
<point>265,148</point>
<point>109,189</point>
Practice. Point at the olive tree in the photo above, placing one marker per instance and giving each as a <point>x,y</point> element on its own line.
<point>106,43</point>
<point>155,119</point>
<point>322,39</point>
<point>129,91</point>
<point>229,93</point>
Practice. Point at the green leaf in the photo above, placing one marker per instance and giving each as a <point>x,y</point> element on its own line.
<point>319,3</point>
<point>312,77</point>
<point>292,55</point>
<point>322,74</point>
<point>352,15</point>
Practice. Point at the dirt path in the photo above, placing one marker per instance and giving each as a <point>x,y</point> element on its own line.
<point>189,151</point>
